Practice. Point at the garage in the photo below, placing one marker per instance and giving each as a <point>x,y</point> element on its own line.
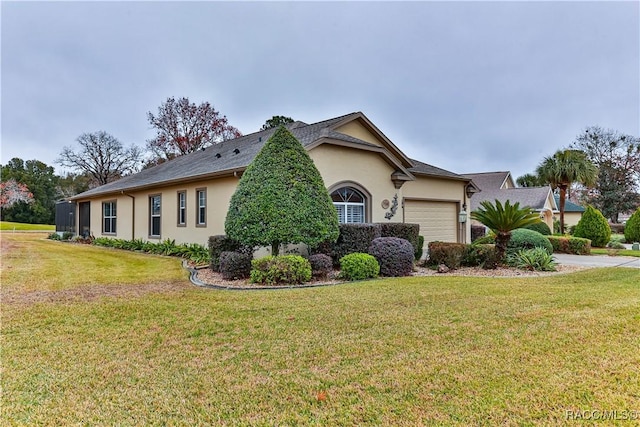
<point>437,219</point>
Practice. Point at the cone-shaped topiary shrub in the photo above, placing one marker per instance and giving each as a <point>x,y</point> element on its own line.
<point>395,255</point>
<point>593,226</point>
<point>281,198</point>
<point>632,228</point>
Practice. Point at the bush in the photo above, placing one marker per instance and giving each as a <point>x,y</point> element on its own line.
<point>409,232</point>
<point>358,266</point>
<point>540,227</point>
<point>235,265</point>
<point>570,245</point>
<point>353,238</point>
<point>477,231</point>
<point>615,245</point>
<point>419,251</point>
<point>449,254</point>
<point>632,228</point>
<point>219,244</point>
<point>394,255</point>
<point>481,255</point>
<point>536,259</point>
<point>280,270</point>
<point>522,238</point>
<point>489,239</point>
<point>593,226</point>
<point>54,236</point>
<point>321,265</point>
<point>67,235</point>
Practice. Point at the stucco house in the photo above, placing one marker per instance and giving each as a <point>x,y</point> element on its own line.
<point>572,212</point>
<point>368,177</point>
<point>501,186</point>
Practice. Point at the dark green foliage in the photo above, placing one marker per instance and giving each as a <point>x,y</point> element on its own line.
<point>221,243</point>
<point>280,270</point>
<point>276,121</point>
<point>593,226</point>
<point>540,227</point>
<point>358,266</point>
<point>489,239</point>
<point>321,265</point>
<point>447,253</point>
<point>281,199</point>
<point>419,250</point>
<point>394,255</point>
<point>351,239</point>
<point>54,236</point>
<point>536,259</point>
<point>481,255</point>
<point>67,235</point>
<point>406,231</point>
<point>477,231</point>
<point>570,245</point>
<point>632,228</point>
<point>235,265</point>
<point>527,239</point>
<point>193,252</point>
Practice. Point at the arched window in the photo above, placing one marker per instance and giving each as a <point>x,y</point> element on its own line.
<point>350,205</point>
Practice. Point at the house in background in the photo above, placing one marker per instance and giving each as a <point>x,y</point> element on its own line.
<point>369,178</point>
<point>501,186</point>
<point>572,212</point>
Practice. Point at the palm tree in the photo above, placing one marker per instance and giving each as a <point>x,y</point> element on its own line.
<point>502,220</point>
<point>564,168</point>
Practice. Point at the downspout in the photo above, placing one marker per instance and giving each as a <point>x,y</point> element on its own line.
<point>133,215</point>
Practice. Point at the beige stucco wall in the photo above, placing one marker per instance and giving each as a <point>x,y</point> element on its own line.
<point>357,130</point>
<point>570,218</point>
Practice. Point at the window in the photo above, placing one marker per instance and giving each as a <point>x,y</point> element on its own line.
<point>154,216</point>
<point>201,196</point>
<point>182,208</point>
<point>109,218</point>
<point>349,204</point>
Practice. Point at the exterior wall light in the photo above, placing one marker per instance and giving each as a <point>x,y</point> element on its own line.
<point>462,216</point>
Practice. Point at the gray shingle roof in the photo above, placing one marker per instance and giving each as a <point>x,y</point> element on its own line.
<point>236,155</point>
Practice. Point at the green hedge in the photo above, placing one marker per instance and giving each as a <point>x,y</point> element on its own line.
<point>570,245</point>
<point>449,254</point>
<point>359,266</point>
<point>280,270</point>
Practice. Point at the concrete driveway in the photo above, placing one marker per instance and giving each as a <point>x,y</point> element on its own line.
<point>598,260</point>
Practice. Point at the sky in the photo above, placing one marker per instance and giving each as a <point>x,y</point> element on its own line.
<point>465,86</point>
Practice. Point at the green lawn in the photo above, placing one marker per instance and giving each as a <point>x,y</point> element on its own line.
<point>412,351</point>
<point>18,226</point>
<point>614,252</point>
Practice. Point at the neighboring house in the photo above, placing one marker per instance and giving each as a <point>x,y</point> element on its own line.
<point>572,212</point>
<point>500,186</point>
<point>368,177</point>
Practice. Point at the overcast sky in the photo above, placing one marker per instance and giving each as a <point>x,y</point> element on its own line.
<point>465,86</point>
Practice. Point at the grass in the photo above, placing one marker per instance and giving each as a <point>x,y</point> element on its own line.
<point>18,226</point>
<point>614,252</point>
<point>411,351</point>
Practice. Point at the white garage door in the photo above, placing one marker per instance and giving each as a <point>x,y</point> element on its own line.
<point>438,220</point>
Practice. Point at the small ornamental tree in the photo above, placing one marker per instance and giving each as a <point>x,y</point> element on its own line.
<point>594,226</point>
<point>632,228</point>
<point>281,198</point>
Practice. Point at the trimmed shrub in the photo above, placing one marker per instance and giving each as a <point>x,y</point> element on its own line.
<point>321,265</point>
<point>219,244</point>
<point>353,238</point>
<point>449,254</point>
<point>235,265</point>
<point>536,259</point>
<point>477,231</point>
<point>540,227</point>
<point>570,245</point>
<point>593,226</point>
<point>54,236</point>
<point>358,266</point>
<point>632,228</point>
<point>481,255</point>
<point>419,251</point>
<point>521,238</point>
<point>409,232</point>
<point>280,270</point>
<point>395,255</point>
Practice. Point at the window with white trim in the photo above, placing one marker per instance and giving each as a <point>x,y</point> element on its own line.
<point>109,217</point>
<point>201,196</point>
<point>154,215</point>
<point>350,205</point>
<point>182,208</point>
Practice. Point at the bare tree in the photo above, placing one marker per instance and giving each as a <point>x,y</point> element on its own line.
<point>183,127</point>
<point>101,156</point>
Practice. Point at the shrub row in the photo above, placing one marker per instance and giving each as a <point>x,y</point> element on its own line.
<point>192,251</point>
<point>455,255</point>
<point>570,245</point>
<point>280,270</point>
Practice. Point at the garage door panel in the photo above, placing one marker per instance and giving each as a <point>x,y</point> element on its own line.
<point>438,220</point>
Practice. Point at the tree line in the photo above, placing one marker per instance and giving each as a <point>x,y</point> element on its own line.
<point>29,189</point>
